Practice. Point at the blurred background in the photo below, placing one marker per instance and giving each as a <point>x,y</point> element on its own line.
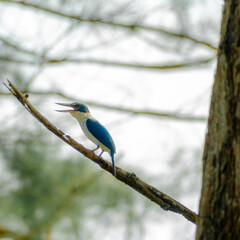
<point>145,69</point>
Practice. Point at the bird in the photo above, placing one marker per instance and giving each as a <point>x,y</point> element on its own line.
<point>93,129</point>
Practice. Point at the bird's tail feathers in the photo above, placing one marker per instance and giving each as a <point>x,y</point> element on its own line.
<point>112,156</point>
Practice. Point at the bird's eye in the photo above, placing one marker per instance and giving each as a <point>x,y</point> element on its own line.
<point>76,105</point>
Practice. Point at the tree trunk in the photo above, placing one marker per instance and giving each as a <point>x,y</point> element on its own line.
<point>219,216</point>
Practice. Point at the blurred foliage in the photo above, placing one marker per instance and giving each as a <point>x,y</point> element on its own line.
<point>185,166</point>
<point>41,190</point>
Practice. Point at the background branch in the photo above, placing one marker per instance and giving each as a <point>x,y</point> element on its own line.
<point>113,63</point>
<point>16,46</point>
<point>131,27</point>
<point>146,112</point>
<point>153,194</point>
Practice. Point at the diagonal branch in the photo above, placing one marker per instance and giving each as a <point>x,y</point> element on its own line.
<point>114,24</point>
<point>17,47</point>
<point>153,194</point>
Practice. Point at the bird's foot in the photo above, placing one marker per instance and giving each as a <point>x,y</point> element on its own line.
<point>101,153</point>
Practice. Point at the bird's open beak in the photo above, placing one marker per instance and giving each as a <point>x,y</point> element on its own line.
<point>66,105</point>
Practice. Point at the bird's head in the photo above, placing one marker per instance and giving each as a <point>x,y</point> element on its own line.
<point>78,110</point>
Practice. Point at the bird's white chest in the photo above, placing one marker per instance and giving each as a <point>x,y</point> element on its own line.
<point>82,119</point>
<point>88,134</point>
<point>83,125</point>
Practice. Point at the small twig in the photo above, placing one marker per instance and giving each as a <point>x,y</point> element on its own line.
<point>153,194</point>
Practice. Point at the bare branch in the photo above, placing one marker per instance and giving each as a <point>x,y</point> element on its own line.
<point>15,46</point>
<point>145,66</point>
<point>166,66</point>
<point>153,194</point>
<point>115,24</point>
<point>145,112</point>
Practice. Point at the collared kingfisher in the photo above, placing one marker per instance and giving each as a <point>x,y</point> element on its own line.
<point>93,130</point>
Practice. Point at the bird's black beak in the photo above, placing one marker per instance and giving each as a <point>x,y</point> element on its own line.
<point>66,105</point>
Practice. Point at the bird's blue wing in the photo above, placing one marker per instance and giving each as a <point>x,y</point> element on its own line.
<point>100,133</point>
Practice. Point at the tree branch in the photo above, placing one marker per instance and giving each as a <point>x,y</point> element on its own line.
<point>153,194</point>
<point>113,63</point>
<point>114,24</point>
<point>17,47</point>
<point>146,66</point>
<point>144,112</point>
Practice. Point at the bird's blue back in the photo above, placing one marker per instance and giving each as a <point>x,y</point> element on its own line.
<point>100,133</point>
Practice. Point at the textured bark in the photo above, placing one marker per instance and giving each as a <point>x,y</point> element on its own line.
<point>219,216</point>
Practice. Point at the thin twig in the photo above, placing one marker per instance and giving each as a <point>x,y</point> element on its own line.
<point>17,47</point>
<point>153,194</point>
